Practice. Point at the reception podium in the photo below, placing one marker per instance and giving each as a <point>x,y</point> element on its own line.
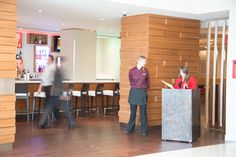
<point>180,114</point>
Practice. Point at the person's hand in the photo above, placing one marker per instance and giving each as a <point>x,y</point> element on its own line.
<point>185,86</point>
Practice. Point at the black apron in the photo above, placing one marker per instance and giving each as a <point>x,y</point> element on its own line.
<point>137,96</point>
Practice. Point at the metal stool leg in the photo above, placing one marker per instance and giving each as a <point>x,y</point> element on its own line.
<point>33,108</point>
<point>28,109</point>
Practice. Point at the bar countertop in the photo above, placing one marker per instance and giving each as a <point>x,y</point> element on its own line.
<point>67,81</point>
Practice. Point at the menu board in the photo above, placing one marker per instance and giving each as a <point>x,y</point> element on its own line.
<point>41,58</point>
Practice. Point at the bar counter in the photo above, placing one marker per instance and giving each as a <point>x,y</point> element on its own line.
<point>66,81</point>
<point>33,85</point>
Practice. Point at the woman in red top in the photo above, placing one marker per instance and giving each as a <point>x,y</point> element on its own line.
<point>185,81</point>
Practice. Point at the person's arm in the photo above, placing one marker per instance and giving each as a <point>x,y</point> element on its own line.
<point>130,77</point>
<point>192,83</point>
<point>178,83</point>
<point>148,79</point>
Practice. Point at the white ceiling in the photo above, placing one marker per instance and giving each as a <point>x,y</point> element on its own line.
<point>87,14</point>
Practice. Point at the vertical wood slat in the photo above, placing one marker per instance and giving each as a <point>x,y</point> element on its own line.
<point>166,49</point>
<point>208,58</point>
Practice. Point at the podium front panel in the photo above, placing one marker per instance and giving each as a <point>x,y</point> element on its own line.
<point>177,114</point>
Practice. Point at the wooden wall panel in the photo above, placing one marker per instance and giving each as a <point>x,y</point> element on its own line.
<point>8,1</point>
<point>7,139</point>
<point>7,38</point>
<point>134,42</point>
<point>7,69</point>
<point>7,123</point>
<point>168,43</point>
<point>7,25</point>
<point>7,130</point>
<point>6,6</point>
<point>7,118</point>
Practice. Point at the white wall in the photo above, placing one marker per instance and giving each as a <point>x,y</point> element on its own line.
<point>187,6</point>
<point>7,85</point>
<point>105,57</point>
<point>79,48</point>
<point>231,83</point>
<point>86,60</point>
<point>67,50</point>
<point>108,58</point>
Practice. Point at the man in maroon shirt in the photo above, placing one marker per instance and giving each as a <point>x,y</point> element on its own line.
<point>139,83</point>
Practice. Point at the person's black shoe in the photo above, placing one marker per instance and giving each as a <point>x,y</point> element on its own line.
<point>44,127</point>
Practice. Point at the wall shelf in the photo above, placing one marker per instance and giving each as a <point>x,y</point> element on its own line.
<point>40,39</point>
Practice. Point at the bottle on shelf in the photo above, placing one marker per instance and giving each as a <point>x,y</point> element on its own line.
<point>17,56</point>
<point>20,55</point>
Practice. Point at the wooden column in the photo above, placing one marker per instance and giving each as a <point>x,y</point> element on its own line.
<point>7,72</point>
<point>134,42</point>
<point>168,43</point>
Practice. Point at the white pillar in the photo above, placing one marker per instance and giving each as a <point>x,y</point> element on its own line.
<point>222,74</point>
<point>214,73</point>
<point>79,48</point>
<point>208,73</point>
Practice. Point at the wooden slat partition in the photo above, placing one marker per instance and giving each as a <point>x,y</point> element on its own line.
<point>7,38</point>
<point>7,118</point>
<point>168,43</point>
<point>7,70</point>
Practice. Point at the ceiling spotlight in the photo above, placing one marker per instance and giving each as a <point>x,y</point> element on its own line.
<point>102,19</point>
<point>63,24</point>
<point>40,11</point>
<point>111,29</point>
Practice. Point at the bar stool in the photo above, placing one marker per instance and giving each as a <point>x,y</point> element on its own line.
<point>21,91</point>
<point>83,94</point>
<point>95,94</point>
<point>39,95</point>
<point>113,93</point>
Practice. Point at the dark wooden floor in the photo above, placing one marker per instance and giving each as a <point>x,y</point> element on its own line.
<point>96,136</point>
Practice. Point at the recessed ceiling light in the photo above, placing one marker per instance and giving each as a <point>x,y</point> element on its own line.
<point>63,24</point>
<point>40,11</point>
<point>102,19</point>
<point>111,29</point>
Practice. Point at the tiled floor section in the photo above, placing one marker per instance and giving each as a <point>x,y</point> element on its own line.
<point>219,150</point>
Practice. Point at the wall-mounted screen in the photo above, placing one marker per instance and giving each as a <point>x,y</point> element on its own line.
<point>41,57</point>
<point>57,43</point>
